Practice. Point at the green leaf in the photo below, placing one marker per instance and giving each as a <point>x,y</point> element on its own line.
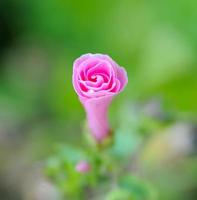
<point>119,194</point>
<point>138,189</point>
<point>71,154</point>
<point>124,143</point>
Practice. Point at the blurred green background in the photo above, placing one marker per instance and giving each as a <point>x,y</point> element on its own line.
<point>156,41</point>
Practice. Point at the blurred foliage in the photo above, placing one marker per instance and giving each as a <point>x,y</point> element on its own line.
<point>109,163</point>
<point>156,41</point>
<point>135,165</point>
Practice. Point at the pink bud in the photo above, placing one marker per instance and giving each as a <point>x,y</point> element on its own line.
<point>96,80</point>
<point>83,167</point>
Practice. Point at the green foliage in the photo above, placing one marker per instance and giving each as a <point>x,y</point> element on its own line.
<point>106,169</point>
<point>138,189</point>
<point>155,41</point>
<point>118,194</point>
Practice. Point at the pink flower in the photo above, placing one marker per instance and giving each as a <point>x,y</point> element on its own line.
<point>83,166</point>
<point>97,79</point>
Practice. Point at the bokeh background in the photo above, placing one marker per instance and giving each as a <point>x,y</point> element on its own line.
<point>156,41</point>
